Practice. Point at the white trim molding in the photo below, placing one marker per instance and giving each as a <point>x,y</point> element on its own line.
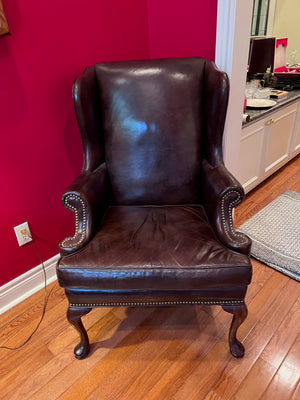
<point>225,35</point>
<point>27,284</point>
<point>232,46</point>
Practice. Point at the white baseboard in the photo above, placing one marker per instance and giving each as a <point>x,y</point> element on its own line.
<point>27,284</point>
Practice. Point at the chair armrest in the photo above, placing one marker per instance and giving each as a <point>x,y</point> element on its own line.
<point>221,193</point>
<point>87,197</point>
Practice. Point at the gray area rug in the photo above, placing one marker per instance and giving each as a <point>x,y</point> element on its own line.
<point>275,232</point>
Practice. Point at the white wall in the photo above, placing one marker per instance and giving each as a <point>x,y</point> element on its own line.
<point>286,24</point>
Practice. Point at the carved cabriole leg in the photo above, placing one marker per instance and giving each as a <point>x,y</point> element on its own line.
<point>239,315</point>
<point>74,317</point>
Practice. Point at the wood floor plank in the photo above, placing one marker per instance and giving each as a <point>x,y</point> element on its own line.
<point>272,356</point>
<point>176,351</point>
<point>20,315</point>
<point>53,323</point>
<point>256,381</point>
<point>68,335</point>
<point>259,339</point>
<point>296,394</point>
<point>107,363</point>
<point>287,178</point>
<point>287,378</point>
<point>14,377</point>
<point>32,302</point>
<point>129,369</point>
<point>221,368</point>
<point>284,337</point>
<point>261,274</point>
<point>179,372</point>
<point>177,375</point>
<point>104,363</point>
<point>65,359</point>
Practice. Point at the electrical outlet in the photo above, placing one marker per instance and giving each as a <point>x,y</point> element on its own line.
<point>23,233</point>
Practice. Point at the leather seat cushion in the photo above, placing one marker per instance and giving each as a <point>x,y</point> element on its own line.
<point>154,248</point>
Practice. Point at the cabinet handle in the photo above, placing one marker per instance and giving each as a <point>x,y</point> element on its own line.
<point>271,121</point>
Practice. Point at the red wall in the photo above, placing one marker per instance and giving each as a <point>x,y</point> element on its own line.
<point>40,152</point>
<point>180,28</point>
<point>51,43</point>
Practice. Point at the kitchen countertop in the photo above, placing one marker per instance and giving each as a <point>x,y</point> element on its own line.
<point>256,115</point>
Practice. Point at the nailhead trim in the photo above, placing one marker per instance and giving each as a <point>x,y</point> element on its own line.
<point>73,240</point>
<point>232,231</point>
<point>157,303</point>
<point>228,234</point>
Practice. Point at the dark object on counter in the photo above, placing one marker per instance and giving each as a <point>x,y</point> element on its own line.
<point>269,79</point>
<point>154,202</point>
<point>261,55</point>
<point>288,81</point>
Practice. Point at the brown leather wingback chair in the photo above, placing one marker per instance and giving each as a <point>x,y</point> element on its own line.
<point>153,204</point>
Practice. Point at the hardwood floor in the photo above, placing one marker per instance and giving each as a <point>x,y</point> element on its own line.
<point>163,353</point>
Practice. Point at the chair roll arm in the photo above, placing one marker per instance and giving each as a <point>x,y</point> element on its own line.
<point>87,197</point>
<point>221,193</point>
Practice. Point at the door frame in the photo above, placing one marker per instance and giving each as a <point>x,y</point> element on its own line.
<point>231,55</point>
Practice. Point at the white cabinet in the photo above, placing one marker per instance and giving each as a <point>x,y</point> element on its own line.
<point>295,142</point>
<point>251,150</point>
<point>279,134</point>
<point>268,144</point>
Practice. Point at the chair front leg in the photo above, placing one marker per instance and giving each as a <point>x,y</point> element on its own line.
<point>74,317</point>
<point>240,313</point>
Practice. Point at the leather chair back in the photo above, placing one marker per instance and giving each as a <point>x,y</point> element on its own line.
<point>151,113</point>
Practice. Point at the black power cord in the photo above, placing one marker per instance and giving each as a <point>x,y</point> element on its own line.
<point>46,298</point>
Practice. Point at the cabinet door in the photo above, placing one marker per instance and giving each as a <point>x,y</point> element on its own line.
<point>250,156</point>
<point>278,138</point>
<point>295,143</point>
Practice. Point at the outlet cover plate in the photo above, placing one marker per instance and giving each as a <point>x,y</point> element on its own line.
<point>22,237</point>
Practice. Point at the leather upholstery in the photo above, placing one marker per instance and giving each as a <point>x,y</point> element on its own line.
<point>143,106</point>
<point>153,204</point>
<point>79,297</point>
<point>155,248</point>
